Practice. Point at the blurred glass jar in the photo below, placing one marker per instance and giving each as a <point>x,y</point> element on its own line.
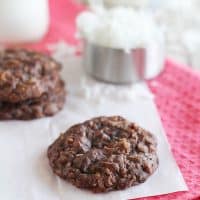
<point>23,20</point>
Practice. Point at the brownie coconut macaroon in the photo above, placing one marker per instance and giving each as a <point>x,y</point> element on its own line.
<point>104,154</point>
<point>30,85</point>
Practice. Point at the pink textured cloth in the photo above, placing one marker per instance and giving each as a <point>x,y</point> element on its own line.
<point>177,92</point>
<point>177,96</point>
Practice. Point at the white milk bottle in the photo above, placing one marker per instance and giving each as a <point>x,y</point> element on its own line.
<point>23,20</point>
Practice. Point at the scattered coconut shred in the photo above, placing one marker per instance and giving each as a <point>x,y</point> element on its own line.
<point>84,86</point>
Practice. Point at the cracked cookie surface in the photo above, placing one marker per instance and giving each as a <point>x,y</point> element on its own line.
<point>104,154</point>
<point>47,105</point>
<point>26,74</point>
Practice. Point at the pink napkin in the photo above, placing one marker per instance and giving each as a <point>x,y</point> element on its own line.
<point>177,92</point>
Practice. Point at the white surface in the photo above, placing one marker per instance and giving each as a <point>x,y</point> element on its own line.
<point>23,20</point>
<point>24,170</point>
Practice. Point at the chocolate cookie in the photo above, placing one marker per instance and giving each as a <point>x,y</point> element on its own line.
<point>26,74</point>
<point>46,105</point>
<point>104,154</point>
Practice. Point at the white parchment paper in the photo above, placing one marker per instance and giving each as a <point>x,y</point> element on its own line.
<point>24,169</point>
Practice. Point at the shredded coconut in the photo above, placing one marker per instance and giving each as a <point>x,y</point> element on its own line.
<point>123,28</point>
<point>61,50</point>
<point>98,91</point>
